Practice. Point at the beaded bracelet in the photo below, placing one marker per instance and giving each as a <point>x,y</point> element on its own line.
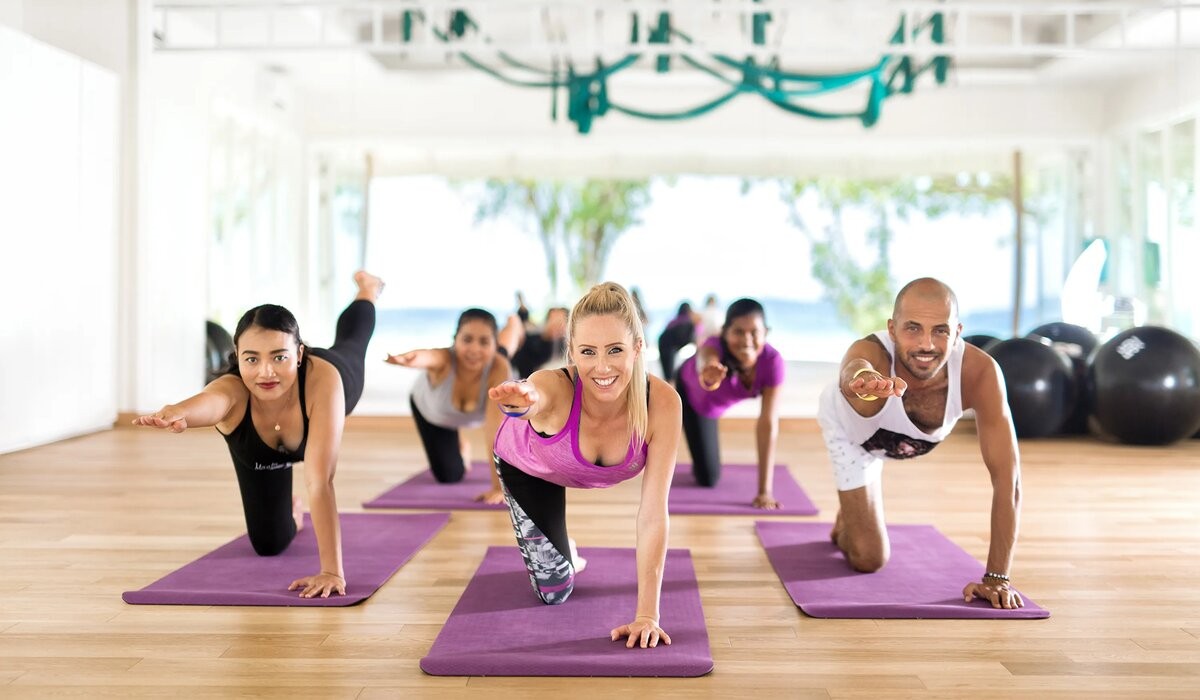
<point>997,577</point>
<point>866,397</point>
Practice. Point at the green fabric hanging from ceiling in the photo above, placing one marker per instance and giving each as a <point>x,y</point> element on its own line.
<point>588,93</point>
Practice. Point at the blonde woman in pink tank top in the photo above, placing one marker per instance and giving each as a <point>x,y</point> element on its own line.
<point>593,425</point>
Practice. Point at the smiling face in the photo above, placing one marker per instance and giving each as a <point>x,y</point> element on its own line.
<point>924,329</point>
<point>745,337</point>
<point>268,362</point>
<point>604,351</point>
<point>475,345</point>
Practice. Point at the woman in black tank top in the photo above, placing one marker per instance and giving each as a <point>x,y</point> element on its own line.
<point>281,402</point>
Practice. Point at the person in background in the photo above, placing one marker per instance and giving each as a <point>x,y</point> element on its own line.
<point>679,333</point>
<point>736,365</point>
<point>451,395</point>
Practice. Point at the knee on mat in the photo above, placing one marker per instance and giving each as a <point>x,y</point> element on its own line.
<point>557,597</point>
<point>270,545</point>
<point>448,476</point>
<point>707,480</point>
<point>867,560</point>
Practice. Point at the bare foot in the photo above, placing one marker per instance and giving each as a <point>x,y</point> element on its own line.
<point>579,562</point>
<point>369,286</point>
<point>298,513</point>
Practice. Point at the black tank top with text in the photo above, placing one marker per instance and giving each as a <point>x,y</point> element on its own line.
<point>251,454</point>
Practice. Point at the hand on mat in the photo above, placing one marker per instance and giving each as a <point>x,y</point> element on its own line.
<point>491,497</point>
<point>765,502</point>
<point>712,374</point>
<point>514,396</point>
<point>167,417</point>
<point>875,384</point>
<point>999,595</point>
<point>322,584</point>
<point>643,631</point>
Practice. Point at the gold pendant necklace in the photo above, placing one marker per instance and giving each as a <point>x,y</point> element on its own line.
<point>281,412</point>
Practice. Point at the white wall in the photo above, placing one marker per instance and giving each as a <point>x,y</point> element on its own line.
<point>59,136</point>
<point>1164,91</point>
<point>159,255</point>
<point>116,35</point>
<point>183,98</point>
<point>95,30</point>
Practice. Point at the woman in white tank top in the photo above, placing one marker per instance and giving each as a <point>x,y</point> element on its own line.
<point>451,394</point>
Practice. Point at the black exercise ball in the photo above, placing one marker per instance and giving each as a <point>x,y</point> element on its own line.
<point>218,348</point>
<point>1040,384</point>
<point>1077,343</point>
<point>982,341</point>
<point>1145,385</point>
<point>1067,335</point>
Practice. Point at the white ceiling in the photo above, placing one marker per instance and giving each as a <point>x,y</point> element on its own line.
<point>425,109</point>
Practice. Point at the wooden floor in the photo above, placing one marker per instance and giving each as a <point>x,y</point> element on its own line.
<point>1110,543</point>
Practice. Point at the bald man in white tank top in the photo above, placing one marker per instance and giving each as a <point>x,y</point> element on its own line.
<point>897,396</point>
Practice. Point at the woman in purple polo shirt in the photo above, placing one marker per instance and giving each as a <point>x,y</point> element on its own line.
<point>729,368</point>
<point>593,425</point>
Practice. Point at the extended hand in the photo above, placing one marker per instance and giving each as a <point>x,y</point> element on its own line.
<point>998,594</point>
<point>322,584</point>
<point>491,497</point>
<point>167,417</point>
<point>645,629</point>
<point>514,396</point>
<point>877,385</point>
<point>766,502</point>
<point>712,374</point>
<point>404,359</point>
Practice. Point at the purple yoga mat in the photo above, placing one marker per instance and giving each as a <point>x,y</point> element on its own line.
<point>500,628</point>
<point>422,491</point>
<point>734,492</point>
<point>923,579</point>
<point>373,548</point>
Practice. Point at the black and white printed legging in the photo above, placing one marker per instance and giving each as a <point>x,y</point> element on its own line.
<point>539,517</point>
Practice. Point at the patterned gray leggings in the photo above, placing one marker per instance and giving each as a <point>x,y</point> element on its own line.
<point>538,511</point>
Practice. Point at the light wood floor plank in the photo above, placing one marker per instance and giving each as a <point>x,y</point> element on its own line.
<point>1110,543</point>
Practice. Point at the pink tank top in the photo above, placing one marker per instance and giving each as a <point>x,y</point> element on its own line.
<point>556,458</point>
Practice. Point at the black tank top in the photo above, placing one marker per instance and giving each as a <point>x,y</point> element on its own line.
<point>248,450</point>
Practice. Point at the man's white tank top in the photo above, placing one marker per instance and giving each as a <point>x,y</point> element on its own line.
<point>891,433</point>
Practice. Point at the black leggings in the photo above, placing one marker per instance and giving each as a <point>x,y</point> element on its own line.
<point>267,505</point>
<point>669,344</point>
<point>702,441</point>
<point>348,353</point>
<point>442,448</point>
<point>539,517</point>
<point>266,484</point>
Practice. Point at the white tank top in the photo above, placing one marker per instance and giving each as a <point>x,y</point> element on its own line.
<point>891,433</point>
<point>437,406</point>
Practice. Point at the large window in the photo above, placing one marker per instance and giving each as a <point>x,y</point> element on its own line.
<point>769,239</point>
<point>1154,231</point>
